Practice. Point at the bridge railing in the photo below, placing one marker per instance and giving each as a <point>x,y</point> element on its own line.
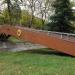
<point>65,36</point>
<point>61,35</point>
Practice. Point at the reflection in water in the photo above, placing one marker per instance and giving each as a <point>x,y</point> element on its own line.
<point>10,46</point>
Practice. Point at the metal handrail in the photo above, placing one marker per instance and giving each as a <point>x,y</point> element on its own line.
<point>61,35</point>
<point>48,32</point>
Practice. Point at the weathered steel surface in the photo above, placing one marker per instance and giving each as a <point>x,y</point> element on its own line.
<point>61,45</point>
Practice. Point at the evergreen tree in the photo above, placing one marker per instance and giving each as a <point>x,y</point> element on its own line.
<point>62,17</point>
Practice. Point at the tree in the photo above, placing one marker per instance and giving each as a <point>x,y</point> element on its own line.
<point>12,13</point>
<point>26,17</point>
<point>9,5</point>
<point>73,3</point>
<point>1,19</point>
<point>32,8</point>
<point>61,19</point>
<point>16,13</point>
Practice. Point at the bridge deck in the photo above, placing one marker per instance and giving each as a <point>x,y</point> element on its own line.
<point>63,42</point>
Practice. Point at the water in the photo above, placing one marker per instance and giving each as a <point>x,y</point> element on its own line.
<point>10,46</point>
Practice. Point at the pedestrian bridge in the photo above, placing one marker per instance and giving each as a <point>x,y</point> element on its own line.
<point>62,42</point>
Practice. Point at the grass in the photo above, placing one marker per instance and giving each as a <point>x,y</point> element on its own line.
<point>38,62</point>
<point>15,40</point>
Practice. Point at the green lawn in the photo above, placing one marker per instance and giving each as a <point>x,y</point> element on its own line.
<point>14,40</point>
<point>39,62</point>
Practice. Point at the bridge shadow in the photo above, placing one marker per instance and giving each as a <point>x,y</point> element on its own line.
<point>48,52</point>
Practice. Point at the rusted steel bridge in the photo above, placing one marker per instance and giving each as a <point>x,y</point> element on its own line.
<point>62,42</point>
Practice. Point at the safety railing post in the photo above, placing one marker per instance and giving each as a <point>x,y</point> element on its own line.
<point>61,36</point>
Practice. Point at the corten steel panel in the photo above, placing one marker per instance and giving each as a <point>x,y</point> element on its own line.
<point>41,38</point>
